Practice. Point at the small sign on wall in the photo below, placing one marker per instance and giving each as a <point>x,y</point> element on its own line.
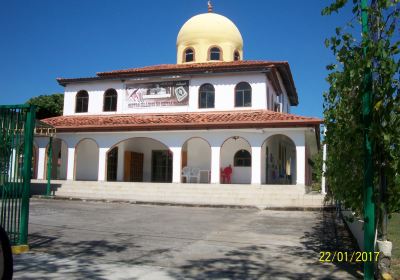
<point>157,94</point>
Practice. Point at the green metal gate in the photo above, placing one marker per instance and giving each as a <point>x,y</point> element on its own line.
<point>16,141</point>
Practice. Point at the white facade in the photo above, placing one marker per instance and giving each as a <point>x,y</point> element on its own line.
<point>224,85</point>
<point>84,155</point>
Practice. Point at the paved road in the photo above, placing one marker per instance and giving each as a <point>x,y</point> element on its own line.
<point>94,240</point>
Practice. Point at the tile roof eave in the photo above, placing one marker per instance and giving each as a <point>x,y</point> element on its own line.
<point>190,126</point>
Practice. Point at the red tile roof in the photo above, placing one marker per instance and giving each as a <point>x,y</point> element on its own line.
<point>199,68</point>
<point>180,121</point>
<point>195,67</point>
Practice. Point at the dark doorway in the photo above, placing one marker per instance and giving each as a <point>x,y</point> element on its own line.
<point>161,166</point>
<point>112,164</point>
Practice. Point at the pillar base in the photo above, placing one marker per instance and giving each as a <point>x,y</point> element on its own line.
<point>19,249</point>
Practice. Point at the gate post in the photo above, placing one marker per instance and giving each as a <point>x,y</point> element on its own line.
<point>28,140</point>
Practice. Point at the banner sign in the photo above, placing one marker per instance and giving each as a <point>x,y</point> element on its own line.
<point>157,94</point>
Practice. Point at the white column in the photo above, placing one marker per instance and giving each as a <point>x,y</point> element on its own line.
<point>215,165</point>
<point>64,161</point>
<point>101,173</point>
<point>41,163</point>
<point>120,164</point>
<point>71,163</point>
<point>301,165</point>
<point>176,164</point>
<point>256,165</point>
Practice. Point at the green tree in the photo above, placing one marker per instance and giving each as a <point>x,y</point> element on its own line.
<point>343,105</point>
<point>48,105</point>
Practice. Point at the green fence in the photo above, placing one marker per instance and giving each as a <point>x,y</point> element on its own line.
<point>16,141</point>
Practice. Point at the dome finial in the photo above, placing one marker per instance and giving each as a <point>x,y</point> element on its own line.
<point>210,6</point>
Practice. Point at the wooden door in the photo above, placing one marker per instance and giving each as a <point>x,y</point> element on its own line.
<point>133,167</point>
<point>127,166</point>
<point>184,158</point>
<point>136,167</point>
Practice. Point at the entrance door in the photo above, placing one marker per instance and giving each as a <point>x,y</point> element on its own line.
<point>161,166</point>
<point>136,167</point>
<point>133,170</point>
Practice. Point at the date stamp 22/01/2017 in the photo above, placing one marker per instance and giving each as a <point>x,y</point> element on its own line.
<point>338,256</point>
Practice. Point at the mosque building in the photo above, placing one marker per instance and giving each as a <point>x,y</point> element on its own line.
<point>213,117</point>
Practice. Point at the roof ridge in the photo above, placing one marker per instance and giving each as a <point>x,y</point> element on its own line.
<point>191,65</point>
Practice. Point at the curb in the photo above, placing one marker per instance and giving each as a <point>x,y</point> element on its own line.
<point>273,208</point>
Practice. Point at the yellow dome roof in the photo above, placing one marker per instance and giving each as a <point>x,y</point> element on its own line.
<point>206,30</point>
<point>209,26</point>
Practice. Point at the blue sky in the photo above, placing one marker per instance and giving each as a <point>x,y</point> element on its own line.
<point>46,39</point>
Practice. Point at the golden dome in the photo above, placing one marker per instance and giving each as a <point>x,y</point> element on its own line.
<point>204,31</point>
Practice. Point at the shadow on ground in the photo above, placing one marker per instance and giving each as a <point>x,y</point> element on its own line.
<point>253,262</point>
<point>74,260</point>
<point>81,259</point>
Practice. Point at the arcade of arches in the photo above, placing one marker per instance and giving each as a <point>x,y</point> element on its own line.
<point>144,159</point>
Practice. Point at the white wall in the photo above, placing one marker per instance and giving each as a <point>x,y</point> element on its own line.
<point>225,91</point>
<point>199,154</point>
<point>224,94</point>
<point>286,104</point>
<point>96,93</point>
<point>87,160</point>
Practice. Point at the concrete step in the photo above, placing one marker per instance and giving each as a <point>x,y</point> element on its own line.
<point>261,196</point>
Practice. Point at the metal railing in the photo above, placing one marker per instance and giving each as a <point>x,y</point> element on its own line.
<point>17,124</point>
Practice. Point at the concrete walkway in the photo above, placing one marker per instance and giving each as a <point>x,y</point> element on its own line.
<point>93,240</point>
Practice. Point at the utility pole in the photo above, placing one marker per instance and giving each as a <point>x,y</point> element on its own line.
<point>369,207</point>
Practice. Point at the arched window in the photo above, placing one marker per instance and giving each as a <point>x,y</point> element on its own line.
<point>236,56</point>
<point>112,163</point>
<point>243,95</point>
<point>110,100</point>
<point>215,53</point>
<point>189,55</point>
<point>82,102</point>
<point>206,96</point>
<point>242,158</point>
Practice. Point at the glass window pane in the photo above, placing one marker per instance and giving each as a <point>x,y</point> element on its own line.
<point>203,100</point>
<point>215,54</point>
<point>210,100</point>
<point>239,99</point>
<point>247,99</point>
<point>189,55</point>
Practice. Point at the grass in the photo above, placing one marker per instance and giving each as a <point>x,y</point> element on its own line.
<point>394,236</point>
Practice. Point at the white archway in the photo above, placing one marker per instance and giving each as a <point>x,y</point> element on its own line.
<point>86,160</point>
<point>278,160</point>
<point>241,169</point>
<point>196,153</point>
